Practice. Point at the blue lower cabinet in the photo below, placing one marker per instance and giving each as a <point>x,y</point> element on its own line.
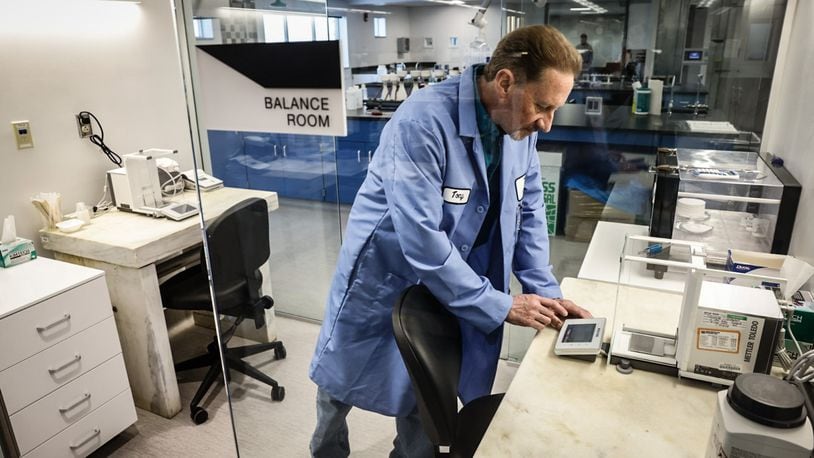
<point>226,150</point>
<point>266,168</point>
<point>297,166</point>
<point>351,168</point>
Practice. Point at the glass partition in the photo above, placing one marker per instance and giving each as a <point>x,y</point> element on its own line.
<point>656,74</point>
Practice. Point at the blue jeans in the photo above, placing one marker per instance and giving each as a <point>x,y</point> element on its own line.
<point>330,439</point>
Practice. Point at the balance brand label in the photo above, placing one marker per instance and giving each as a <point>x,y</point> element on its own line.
<point>724,320</point>
<point>717,340</point>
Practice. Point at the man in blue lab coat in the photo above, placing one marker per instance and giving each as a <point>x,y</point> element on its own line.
<point>453,199</point>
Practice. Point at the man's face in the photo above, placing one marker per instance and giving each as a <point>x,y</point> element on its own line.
<point>528,107</point>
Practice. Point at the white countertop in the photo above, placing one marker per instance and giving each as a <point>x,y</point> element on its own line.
<point>135,240</point>
<point>564,407</point>
<point>32,282</point>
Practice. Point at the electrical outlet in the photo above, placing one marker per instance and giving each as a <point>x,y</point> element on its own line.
<point>83,124</point>
<point>22,133</point>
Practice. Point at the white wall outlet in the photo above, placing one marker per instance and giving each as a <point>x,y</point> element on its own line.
<point>22,133</point>
<point>83,124</point>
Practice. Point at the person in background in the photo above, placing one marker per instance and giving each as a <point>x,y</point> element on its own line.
<point>453,199</point>
<point>587,52</point>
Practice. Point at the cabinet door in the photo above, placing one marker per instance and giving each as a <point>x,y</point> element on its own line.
<point>226,151</point>
<point>351,168</point>
<point>262,156</point>
<point>303,157</point>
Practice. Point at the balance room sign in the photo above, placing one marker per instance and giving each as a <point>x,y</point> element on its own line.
<point>293,88</point>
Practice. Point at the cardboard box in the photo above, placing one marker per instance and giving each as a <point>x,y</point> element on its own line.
<point>17,252</point>
<point>584,213</point>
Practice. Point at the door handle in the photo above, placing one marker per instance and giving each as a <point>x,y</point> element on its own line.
<point>284,155</point>
<point>64,317</point>
<point>369,156</point>
<point>358,155</point>
<point>275,150</point>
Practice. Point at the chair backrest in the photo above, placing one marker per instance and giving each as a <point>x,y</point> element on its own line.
<point>429,339</point>
<point>238,242</point>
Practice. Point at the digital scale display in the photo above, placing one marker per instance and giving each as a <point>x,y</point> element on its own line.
<point>579,333</point>
<point>580,338</point>
<point>183,208</point>
<point>693,55</point>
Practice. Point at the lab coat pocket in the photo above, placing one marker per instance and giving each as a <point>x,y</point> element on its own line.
<point>369,303</point>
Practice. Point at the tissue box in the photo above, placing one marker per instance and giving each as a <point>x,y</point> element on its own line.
<point>750,262</point>
<point>17,252</point>
<point>789,269</point>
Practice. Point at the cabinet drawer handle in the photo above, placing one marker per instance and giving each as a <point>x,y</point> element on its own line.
<point>94,433</point>
<point>358,155</point>
<point>77,357</point>
<point>284,151</point>
<point>369,155</point>
<point>275,150</point>
<point>73,405</point>
<point>65,317</point>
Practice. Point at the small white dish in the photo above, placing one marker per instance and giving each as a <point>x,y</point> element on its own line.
<point>70,225</point>
<point>695,228</point>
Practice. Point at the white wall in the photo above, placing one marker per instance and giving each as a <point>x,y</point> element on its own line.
<point>788,132</point>
<point>367,50</point>
<point>442,22</point>
<point>118,60</point>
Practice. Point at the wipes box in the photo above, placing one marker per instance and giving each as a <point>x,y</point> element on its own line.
<point>17,252</point>
<point>790,272</point>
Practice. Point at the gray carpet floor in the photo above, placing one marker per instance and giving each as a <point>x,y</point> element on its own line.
<point>265,428</point>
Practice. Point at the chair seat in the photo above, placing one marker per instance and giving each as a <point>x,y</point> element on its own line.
<point>189,290</point>
<point>473,420</point>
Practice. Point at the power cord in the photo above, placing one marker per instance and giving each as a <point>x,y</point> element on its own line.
<point>99,140</point>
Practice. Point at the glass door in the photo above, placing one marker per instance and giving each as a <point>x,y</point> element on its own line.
<point>234,50</point>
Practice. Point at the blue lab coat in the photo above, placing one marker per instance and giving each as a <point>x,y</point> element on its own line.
<point>415,219</point>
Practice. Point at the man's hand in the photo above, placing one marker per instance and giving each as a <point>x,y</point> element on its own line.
<point>537,312</point>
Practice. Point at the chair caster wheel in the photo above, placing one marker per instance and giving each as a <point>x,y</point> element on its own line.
<point>279,352</point>
<point>198,415</point>
<point>278,393</point>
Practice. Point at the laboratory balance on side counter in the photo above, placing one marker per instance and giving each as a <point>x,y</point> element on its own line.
<point>722,329</point>
<point>136,187</point>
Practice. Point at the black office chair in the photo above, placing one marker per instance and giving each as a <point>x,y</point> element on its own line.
<point>429,339</point>
<point>238,244</point>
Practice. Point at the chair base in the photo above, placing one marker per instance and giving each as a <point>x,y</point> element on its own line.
<point>233,359</point>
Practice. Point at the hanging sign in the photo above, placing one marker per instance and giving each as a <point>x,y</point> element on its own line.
<point>291,88</point>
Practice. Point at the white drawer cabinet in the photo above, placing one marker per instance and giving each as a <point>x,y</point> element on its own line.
<point>64,407</point>
<point>52,321</point>
<point>62,376</point>
<point>86,435</point>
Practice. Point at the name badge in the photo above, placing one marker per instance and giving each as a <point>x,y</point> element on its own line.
<point>456,196</point>
<point>520,187</point>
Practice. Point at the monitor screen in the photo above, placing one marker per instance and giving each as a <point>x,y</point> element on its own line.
<point>579,333</point>
<point>693,55</point>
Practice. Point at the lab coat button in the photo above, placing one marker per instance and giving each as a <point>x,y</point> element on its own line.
<point>464,248</point>
<point>480,209</point>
